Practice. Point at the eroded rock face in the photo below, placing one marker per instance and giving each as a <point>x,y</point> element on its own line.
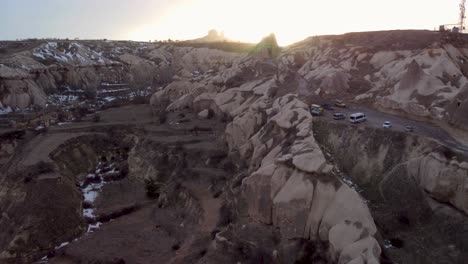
<point>423,75</point>
<point>290,184</point>
<point>40,203</point>
<point>306,200</point>
<point>26,77</point>
<point>443,178</point>
<point>413,184</point>
<point>458,109</point>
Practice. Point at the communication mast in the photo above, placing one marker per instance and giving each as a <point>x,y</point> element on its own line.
<point>456,28</point>
<point>462,16</point>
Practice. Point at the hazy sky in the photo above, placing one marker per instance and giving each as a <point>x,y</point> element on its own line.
<point>246,20</point>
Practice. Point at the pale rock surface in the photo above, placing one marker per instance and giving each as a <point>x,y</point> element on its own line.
<point>203,114</point>
<point>445,180</point>
<point>185,101</point>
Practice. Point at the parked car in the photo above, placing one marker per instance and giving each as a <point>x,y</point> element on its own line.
<point>316,106</point>
<point>338,116</point>
<point>387,124</point>
<point>316,112</point>
<point>340,103</point>
<point>327,107</point>
<point>357,118</point>
<point>409,128</point>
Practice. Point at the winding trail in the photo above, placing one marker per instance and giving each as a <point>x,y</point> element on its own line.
<point>210,208</point>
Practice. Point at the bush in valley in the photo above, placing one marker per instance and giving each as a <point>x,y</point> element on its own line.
<point>37,169</point>
<point>211,113</point>
<point>226,118</point>
<point>162,117</point>
<point>124,170</point>
<point>96,118</point>
<point>61,117</point>
<point>152,188</point>
<point>176,246</point>
<point>202,252</point>
<point>90,94</point>
<point>260,255</point>
<point>225,216</point>
<point>312,252</point>
<point>228,165</point>
<point>79,113</point>
<point>140,100</point>
<point>40,168</point>
<point>217,194</point>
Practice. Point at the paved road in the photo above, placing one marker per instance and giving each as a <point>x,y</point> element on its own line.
<point>375,119</point>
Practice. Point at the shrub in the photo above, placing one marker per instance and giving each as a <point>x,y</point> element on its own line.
<point>96,118</point>
<point>61,117</point>
<point>176,246</point>
<point>43,167</point>
<point>225,216</point>
<point>152,188</point>
<point>211,113</point>
<point>162,117</point>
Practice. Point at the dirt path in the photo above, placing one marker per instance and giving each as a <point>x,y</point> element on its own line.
<point>210,208</point>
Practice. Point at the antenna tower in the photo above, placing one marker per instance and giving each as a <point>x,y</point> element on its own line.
<point>462,16</point>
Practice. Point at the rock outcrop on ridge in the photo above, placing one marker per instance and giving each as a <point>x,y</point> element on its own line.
<point>415,73</point>
<point>290,184</point>
<point>29,74</point>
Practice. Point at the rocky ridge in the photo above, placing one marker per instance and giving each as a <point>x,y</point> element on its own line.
<point>290,184</point>
<point>28,75</point>
<point>421,74</point>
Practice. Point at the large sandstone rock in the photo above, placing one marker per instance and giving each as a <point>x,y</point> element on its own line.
<point>443,179</point>
<point>306,200</point>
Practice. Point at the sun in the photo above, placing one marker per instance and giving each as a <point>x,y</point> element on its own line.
<point>291,21</point>
<point>241,20</point>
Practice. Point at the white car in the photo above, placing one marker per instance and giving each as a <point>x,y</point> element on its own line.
<point>357,118</point>
<point>387,124</point>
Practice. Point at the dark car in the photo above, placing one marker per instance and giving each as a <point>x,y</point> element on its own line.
<point>409,128</point>
<point>327,107</point>
<point>338,116</point>
<point>316,112</point>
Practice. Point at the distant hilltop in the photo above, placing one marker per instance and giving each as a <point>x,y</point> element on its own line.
<point>213,36</point>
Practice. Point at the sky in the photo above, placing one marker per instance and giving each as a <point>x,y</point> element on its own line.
<point>243,20</point>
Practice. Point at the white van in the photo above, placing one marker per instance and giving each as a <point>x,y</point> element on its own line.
<point>357,118</point>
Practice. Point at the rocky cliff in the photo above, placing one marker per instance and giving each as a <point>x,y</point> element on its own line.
<point>417,73</point>
<point>290,184</point>
<point>290,174</point>
<point>412,183</point>
<point>32,70</point>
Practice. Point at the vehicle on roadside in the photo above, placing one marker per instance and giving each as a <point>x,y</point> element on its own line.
<point>338,116</point>
<point>339,103</point>
<point>387,124</point>
<point>316,111</point>
<point>327,107</point>
<point>357,118</point>
<point>316,106</point>
<point>409,128</point>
